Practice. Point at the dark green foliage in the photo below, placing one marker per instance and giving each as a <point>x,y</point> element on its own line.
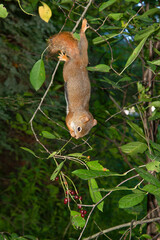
<point>32,204</point>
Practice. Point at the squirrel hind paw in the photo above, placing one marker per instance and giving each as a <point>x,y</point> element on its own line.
<point>84,25</point>
<point>63,57</point>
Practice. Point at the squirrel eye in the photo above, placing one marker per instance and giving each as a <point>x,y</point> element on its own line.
<point>79,129</point>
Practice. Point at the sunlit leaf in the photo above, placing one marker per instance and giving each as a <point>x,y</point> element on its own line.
<point>99,68</point>
<point>155,62</point>
<point>95,165</point>
<point>134,148</point>
<point>95,195</point>
<point>116,16</point>
<point>3,11</point>
<point>48,135</point>
<point>155,104</point>
<point>153,166</point>
<point>45,12</point>
<point>77,220</point>
<point>89,174</point>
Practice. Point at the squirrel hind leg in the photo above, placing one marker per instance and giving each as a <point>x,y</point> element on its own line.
<point>84,25</point>
<point>63,57</point>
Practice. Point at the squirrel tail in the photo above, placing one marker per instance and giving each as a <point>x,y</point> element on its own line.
<point>64,42</point>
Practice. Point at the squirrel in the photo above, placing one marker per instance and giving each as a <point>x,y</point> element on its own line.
<point>77,84</point>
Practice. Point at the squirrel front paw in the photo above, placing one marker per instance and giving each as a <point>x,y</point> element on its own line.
<point>63,57</point>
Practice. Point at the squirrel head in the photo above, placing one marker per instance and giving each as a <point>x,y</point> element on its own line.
<point>80,123</point>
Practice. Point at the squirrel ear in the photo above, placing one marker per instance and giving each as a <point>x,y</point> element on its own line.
<point>85,119</point>
<point>94,122</point>
<point>72,133</point>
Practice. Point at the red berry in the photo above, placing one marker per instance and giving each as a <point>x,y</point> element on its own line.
<point>85,212</point>
<point>79,206</point>
<point>72,192</point>
<point>76,197</point>
<point>82,215</point>
<point>57,178</point>
<point>65,200</point>
<point>82,211</point>
<point>80,198</point>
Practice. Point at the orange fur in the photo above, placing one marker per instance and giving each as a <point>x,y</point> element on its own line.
<point>77,84</point>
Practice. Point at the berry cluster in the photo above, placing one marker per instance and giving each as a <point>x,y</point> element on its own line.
<point>76,197</point>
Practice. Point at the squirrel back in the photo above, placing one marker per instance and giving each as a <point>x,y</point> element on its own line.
<point>77,84</point>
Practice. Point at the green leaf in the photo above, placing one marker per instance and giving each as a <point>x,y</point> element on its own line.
<point>28,150</point>
<point>95,165</point>
<point>48,135</point>
<point>151,12</point>
<point>137,129</point>
<point>116,16</point>
<point>52,155</point>
<point>124,79</point>
<point>148,177</point>
<point>146,236</point>
<point>155,145</point>
<point>154,157</point>
<point>30,237</point>
<point>99,68</point>
<point>115,189</point>
<point>19,118</point>
<point>153,166</point>
<point>155,62</point>
<point>114,85</point>
<point>134,148</point>
<point>145,33</point>
<point>3,11</point>
<point>89,174</point>
<point>131,200</point>
<point>136,1</point>
<point>77,220</point>
<point>56,171</point>
<point>155,104</point>
<point>155,116</point>
<point>106,4</point>
<point>77,155</point>
<point>149,188</point>
<point>99,40</point>
<point>37,75</point>
<point>95,195</point>
<point>134,54</point>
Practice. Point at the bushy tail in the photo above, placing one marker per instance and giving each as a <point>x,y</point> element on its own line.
<point>64,42</point>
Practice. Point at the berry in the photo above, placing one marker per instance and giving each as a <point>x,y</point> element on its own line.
<point>79,206</point>
<point>80,198</point>
<point>57,178</point>
<point>65,200</point>
<point>82,215</point>
<point>82,211</point>
<point>85,212</point>
<point>72,192</point>
<point>76,197</point>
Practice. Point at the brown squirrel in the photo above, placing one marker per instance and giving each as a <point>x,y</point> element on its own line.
<point>77,84</point>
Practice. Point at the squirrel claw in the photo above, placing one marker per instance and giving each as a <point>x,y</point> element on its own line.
<point>63,57</point>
